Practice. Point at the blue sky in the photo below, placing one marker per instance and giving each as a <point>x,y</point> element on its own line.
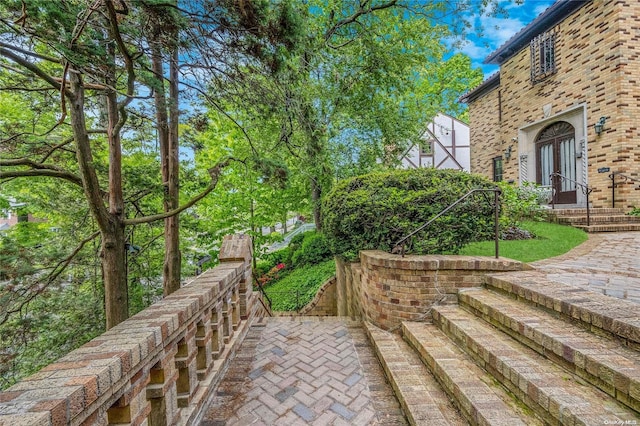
<point>499,30</point>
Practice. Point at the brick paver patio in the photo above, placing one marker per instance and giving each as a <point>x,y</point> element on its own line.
<point>305,370</point>
<point>608,263</point>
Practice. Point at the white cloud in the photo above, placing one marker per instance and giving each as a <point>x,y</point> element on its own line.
<point>542,7</point>
<point>475,51</point>
<point>497,31</point>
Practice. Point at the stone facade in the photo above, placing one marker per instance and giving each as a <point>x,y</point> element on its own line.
<point>597,67</point>
<point>158,367</point>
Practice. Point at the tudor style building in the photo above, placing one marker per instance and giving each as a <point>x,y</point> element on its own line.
<point>566,101</point>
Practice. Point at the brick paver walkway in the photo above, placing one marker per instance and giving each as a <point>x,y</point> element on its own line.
<point>607,262</point>
<point>304,370</point>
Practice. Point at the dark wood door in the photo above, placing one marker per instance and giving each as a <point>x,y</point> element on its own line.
<point>556,153</point>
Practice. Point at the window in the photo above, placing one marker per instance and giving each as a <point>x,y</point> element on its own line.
<point>497,169</point>
<point>426,147</point>
<point>543,56</point>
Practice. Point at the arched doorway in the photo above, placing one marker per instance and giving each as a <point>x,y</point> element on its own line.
<point>556,153</point>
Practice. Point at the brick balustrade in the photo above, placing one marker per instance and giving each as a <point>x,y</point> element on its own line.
<point>156,368</point>
<point>387,289</point>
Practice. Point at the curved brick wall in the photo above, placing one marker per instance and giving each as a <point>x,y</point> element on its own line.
<point>392,288</point>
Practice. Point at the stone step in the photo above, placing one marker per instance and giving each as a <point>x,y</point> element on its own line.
<point>605,363</point>
<point>618,227</point>
<point>601,314</point>
<point>597,220</point>
<point>556,395</point>
<point>479,398</point>
<point>583,212</point>
<point>420,396</point>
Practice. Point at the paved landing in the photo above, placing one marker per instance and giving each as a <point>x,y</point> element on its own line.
<point>305,370</point>
<point>608,263</point>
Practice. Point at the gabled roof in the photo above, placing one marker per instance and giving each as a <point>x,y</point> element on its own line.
<point>547,19</point>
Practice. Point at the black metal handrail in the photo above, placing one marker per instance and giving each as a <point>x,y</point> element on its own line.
<point>625,179</point>
<point>496,208</point>
<point>586,190</point>
<point>264,295</point>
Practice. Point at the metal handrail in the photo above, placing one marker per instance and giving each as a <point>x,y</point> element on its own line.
<point>496,191</point>
<point>625,179</point>
<point>586,190</point>
<point>264,294</point>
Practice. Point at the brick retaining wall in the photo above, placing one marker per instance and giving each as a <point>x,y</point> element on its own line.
<point>325,302</point>
<point>387,288</point>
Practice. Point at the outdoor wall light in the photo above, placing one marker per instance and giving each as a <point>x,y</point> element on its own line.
<point>599,126</point>
<point>507,152</point>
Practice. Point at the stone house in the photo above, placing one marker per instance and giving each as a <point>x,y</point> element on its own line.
<point>567,101</point>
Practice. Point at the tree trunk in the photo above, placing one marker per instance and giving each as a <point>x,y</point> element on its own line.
<point>316,195</point>
<point>172,260</point>
<point>167,116</point>
<point>111,226</point>
<point>116,292</point>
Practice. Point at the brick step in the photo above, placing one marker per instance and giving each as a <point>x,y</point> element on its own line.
<point>481,401</point>
<point>603,362</point>
<point>583,212</point>
<point>556,395</point>
<point>596,220</point>
<point>619,227</point>
<point>602,314</point>
<point>420,396</point>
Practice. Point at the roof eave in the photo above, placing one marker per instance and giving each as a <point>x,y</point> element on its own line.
<point>550,17</point>
<point>489,84</point>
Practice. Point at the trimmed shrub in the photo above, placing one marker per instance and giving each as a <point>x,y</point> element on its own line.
<point>314,249</point>
<point>520,203</point>
<point>376,210</point>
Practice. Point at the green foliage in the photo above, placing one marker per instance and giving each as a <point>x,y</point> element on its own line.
<point>60,320</point>
<point>299,287</point>
<point>376,210</point>
<point>313,250</point>
<point>551,240</point>
<point>520,203</point>
<point>635,211</point>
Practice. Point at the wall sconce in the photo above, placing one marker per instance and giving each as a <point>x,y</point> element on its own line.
<point>599,126</point>
<point>507,152</point>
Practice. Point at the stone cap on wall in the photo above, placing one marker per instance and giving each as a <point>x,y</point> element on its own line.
<point>440,262</point>
<point>236,248</point>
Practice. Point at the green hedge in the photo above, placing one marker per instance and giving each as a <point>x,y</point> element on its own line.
<point>376,210</point>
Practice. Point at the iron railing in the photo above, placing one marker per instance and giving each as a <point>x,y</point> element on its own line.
<point>586,190</point>
<point>264,295</point>
<point>624,179</point>
<point>496,217</point>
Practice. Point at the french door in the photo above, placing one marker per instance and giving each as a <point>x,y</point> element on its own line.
<point>556,153</point>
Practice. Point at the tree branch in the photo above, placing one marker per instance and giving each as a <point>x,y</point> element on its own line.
<point>45,172</point>
<point>32,54</point>
<point>9,54</point>
<point>214,172</point>
<point>50,278</point>
<point>362,10</point>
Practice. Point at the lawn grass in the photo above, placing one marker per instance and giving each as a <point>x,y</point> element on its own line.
<point>300,286</point>
<point>552,240</point>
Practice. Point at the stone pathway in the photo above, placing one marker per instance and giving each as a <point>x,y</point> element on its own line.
<point>305,370</point>
<point>608,263</point>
